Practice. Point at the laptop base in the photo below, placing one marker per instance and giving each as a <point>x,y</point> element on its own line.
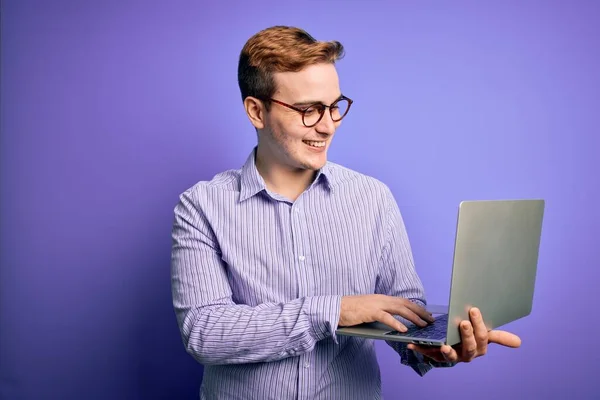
<point>431,335</point>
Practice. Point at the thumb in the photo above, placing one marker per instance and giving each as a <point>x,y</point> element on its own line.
<point>504,338</point>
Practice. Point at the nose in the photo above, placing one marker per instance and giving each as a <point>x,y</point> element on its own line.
<point>326,125</point>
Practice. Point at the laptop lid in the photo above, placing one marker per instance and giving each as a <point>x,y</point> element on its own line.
<point>495,261</point>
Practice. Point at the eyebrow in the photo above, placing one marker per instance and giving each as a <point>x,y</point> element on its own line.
<point>307,103</point>
<point>310,103</point>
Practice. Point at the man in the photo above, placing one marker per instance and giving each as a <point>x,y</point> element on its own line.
<point>270,259</point>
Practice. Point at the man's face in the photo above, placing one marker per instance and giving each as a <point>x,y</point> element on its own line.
<point>285,138</point>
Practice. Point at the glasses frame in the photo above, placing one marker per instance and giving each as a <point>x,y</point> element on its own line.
<point>322,106</point>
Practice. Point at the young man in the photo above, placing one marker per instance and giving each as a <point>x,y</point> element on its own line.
<point>270,259</point>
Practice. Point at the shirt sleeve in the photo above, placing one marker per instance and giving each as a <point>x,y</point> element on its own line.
<point>398,277</point>
<point>216,330</point>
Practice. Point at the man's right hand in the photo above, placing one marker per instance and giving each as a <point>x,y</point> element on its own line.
<point>380,308</point>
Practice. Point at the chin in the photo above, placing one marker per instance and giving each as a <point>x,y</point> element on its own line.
<point>314,165</point>
<point>310,161</point>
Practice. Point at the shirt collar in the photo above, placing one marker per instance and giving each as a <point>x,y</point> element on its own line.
<point>251,183</point>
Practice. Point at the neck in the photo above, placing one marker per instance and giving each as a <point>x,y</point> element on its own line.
<point>285,181</point>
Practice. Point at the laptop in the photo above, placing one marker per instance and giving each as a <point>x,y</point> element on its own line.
<point>494,269</point>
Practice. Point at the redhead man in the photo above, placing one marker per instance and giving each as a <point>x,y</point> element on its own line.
<point>270,259</point>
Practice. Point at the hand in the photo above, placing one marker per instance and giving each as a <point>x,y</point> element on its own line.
<point>376,307</point>
<point>474,341</point>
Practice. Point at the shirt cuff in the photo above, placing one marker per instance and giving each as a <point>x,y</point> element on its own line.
<point>324,314</point>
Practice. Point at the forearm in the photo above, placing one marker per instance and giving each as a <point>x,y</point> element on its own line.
<point>229,333</point>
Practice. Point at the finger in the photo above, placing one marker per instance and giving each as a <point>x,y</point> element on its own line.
<point>433,353</point>
<point>479,330</point>
<point>469,345</point>
<point>407,313</point>
<point>449,353</point>
<point>389,320</point>
<point>409,310</point>
<point>504,338</point>
<point>420,311</point>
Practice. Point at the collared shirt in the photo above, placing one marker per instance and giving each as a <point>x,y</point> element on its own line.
<point>257,282</point>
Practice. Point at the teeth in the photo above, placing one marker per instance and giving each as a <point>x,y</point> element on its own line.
<point>315,144</point>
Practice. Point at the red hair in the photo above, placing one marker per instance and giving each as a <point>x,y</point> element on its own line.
<point>280,49</point>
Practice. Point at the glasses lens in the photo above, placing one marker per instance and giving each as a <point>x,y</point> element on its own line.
<point>339,109</point>
<point>313,114</point>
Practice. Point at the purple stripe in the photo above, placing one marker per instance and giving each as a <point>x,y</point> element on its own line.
<point>257,282</point>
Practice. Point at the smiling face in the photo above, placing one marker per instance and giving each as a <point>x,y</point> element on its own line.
<point>284,141</point>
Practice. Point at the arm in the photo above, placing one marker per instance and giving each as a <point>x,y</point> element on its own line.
<point>214,329</point>
<point>399,278</point>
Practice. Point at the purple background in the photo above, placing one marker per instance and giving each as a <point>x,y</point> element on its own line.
<point>111,109</point>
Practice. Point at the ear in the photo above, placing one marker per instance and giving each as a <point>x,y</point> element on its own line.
<point>255,111</point>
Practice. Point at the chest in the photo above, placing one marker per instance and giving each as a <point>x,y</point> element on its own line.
<point>276,251</point>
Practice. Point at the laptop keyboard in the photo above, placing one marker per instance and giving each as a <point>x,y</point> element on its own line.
<point>437,330</point>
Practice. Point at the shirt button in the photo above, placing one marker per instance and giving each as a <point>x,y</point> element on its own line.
<point>301,258</point>
<point>306,365</point>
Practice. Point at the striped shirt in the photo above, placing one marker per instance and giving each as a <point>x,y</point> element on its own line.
<point>257,282</point>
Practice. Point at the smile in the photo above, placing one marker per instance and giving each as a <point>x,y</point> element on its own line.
<point>315,144</point>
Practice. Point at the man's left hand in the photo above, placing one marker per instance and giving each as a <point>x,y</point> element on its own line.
<point>474,342</point>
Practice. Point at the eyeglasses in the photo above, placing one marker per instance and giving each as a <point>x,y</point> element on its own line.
<point>313,114</point>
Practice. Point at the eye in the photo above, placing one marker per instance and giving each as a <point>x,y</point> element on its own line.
<point>314,109</point>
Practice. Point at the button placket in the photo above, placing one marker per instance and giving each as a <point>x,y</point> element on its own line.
<point>303,260</point>
<point>296,219</point>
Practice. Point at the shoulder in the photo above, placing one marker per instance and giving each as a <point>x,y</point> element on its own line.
<point>223,185</point>
<point>350,181</point>
<point>226,181</point>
